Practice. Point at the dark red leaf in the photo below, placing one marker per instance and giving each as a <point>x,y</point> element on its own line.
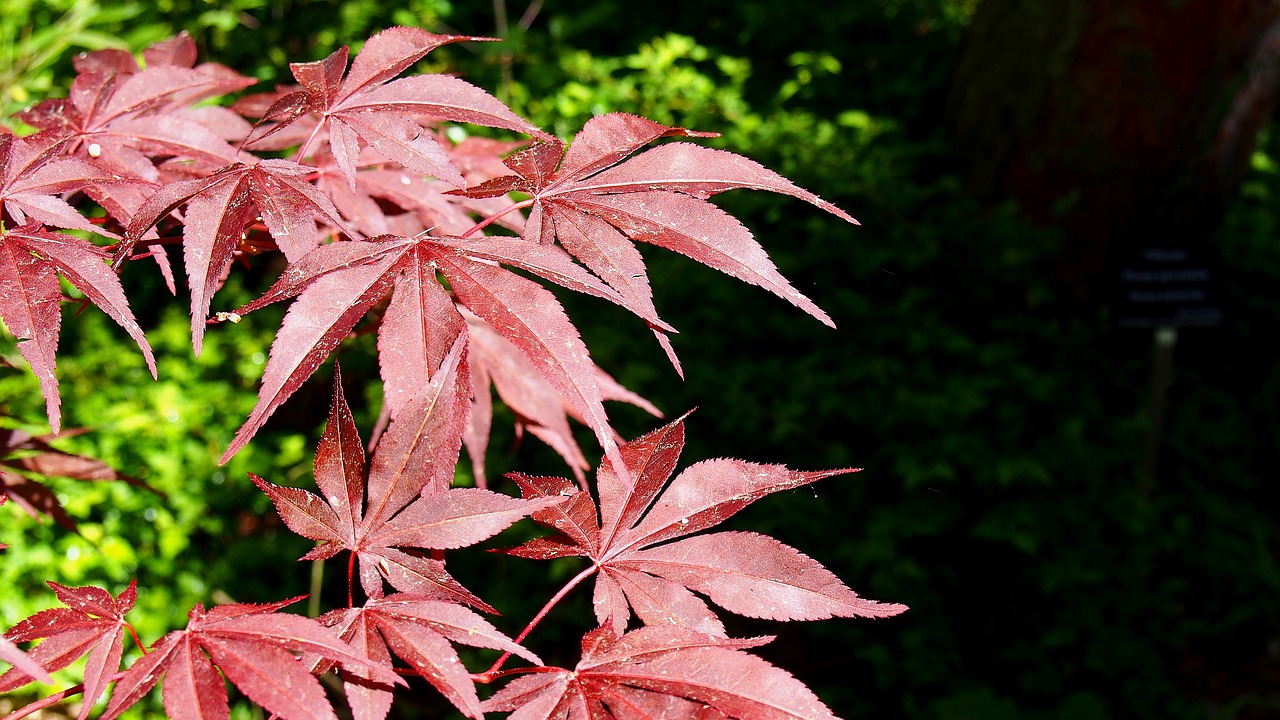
<point>30,299</point>
<point>749,574</point>
<point>250,645</point>
<point>660,670</point>
<point>93,623</point>
<point>407,501</point>
<point>384,113</point>
<point>595,194</point>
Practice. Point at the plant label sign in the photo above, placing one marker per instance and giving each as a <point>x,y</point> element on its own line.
<point>1167,286</point>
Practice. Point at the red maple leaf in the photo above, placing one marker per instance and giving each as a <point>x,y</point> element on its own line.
<point>642,566</point>
<point>660,672</point>
<point>20,661</point>
<point>419,630</point>
<point>221,206</point>
<point>92,622</point>
<point>31,258</point>
<point>368,105</point>
<point>250,645</point>
<point>538,407</point>
<point>406,501</point>
<point>336,284</point>
<point>423,203</point>
<point>34,176</point>
<point>592,199</point>
<point>123,115</point>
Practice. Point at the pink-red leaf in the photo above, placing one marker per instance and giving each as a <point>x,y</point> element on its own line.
<point>757,576</point>
<point>29,306</point>
<point>594,194</point>
<point>455,518</point>
<point>250,645</point>
<point>660,670</point>
<point>11,654</point>
<point>749,574</point>
<point>529,317</point>
<point>271,677</point>
<point>93,623</point>
<point>339,463</point>
<point>192,688</point>
<point>317,322</point>
<point>384,113</point>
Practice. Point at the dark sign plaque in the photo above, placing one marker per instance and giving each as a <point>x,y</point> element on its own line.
<point>1167,287</point>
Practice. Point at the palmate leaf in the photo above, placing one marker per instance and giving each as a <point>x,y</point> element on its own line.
<point>538,408</point>
<point>338,283</point>
<point>419,630</point>
<point>11,654</point>
<point>92,622</point>
<point>250,645</point>
<point>629,539</point>
<point>660,672</point>
<point>221,206</point>
<point>31,258</point>
<point>34,175</point>
<point>422,202</point>
<point>406,502</point>
<point>122,115</point>
<point>592,197</point>
<point>369,105</point>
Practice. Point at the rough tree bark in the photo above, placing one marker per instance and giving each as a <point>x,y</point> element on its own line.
<point>1123,121</point>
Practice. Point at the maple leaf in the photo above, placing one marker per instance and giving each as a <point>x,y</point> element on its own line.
<point>13,655</point>
<point>336,284</point>
<point>221,206</point>
<point>31,258</point>
<point>592,198</point>
<point>406,501</point>
<point>24,458</point>
<point>92,622</point>
<point>423,201</point>
<point>369,105</point>
<point>631,538</point>
<point>660,672</point>
<point>122,115</point>
<point>34,176</point>
<point>418,629</point>
<point>538,407</point>
<point>249,644</point>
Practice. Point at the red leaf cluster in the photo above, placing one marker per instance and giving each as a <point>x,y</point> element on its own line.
<point>434,244</point>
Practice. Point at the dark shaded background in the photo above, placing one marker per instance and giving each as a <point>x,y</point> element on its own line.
<point>1061,558</point>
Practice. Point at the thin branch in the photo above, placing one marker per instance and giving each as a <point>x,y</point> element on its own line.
<point>530,14</point>
<point>496,216</point>
<point>53,699</point>
<point>486,678</point>
<point>555,599</point>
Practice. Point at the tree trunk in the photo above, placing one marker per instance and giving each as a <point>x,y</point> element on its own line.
<point>1125,122</point>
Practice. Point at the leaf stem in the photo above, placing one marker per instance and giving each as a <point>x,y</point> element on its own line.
<point>351,574</point>
<point>306,146</point>
<point>487,677</point>
<point>54,699</point>
<point>489,220</point>
<point>136,640</point>
<point>45,702</point>
<point>555,599</point>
